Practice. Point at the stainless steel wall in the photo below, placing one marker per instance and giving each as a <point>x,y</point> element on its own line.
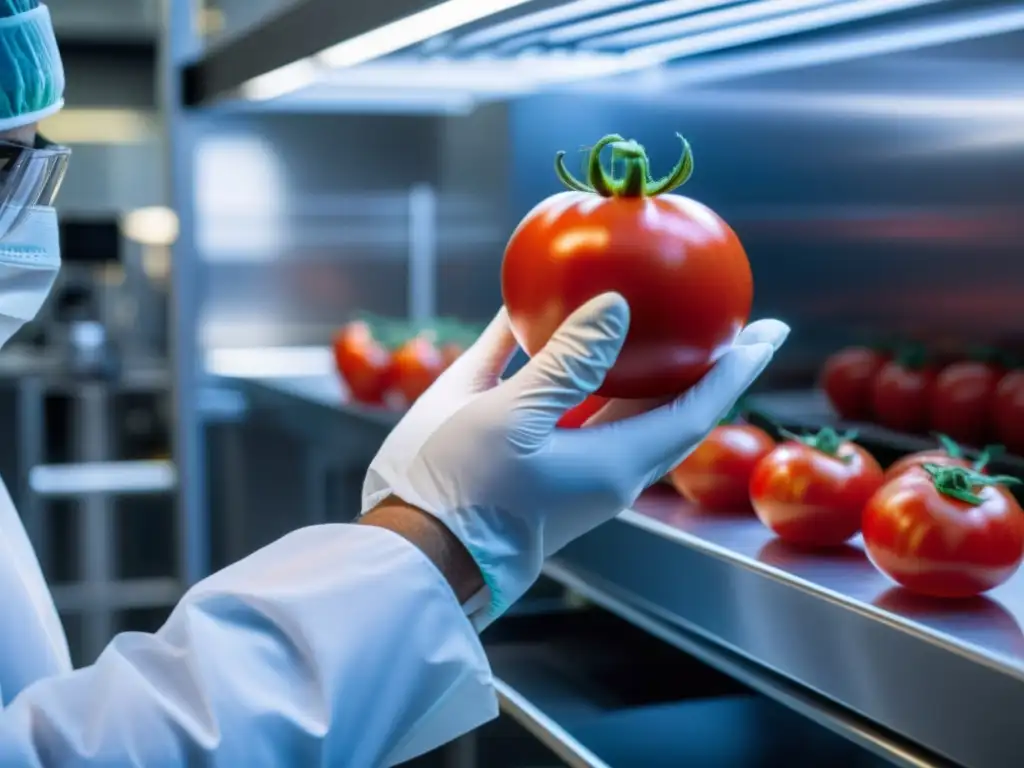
<point>303,219</point>
<point>880,195</point>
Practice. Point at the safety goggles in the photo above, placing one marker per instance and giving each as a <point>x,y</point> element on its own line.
<point>29,176</point>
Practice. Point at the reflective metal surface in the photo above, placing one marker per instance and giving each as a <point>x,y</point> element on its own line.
<point>830,623</point>
<point>875,196</point>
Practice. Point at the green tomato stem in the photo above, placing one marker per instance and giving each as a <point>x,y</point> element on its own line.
<point>962,484</point>
<point>636,180</point>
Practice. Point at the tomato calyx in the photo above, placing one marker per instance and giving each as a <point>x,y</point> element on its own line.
<point>826,440</point>
<point>962,484</point>
<point>636,180</point>
<point>954,450</point>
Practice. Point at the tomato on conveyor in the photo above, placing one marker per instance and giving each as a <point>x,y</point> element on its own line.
<point>962,399</point>
<point>950,454</point>
<point>847,378</point>
<point>716,476</point>
<point>415,365</point>
<point>363,361</point>
<point>901,392</point>
<point>1008,411</point>
<point>680,267</point>
<point>811,489</point>
<point>945,531</point>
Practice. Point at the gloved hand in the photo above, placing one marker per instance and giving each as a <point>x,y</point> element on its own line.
<point>486,459</point>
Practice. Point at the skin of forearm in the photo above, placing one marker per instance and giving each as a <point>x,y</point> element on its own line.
<point>433,538</point>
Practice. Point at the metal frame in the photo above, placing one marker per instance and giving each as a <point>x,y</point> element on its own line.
<point>180,45</point>
<point>303,28</point>
<point>95,481</point>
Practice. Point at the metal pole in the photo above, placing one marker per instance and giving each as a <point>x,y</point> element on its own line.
<point>179,43</point>
<point>95,518</point>
<point>422,253</point>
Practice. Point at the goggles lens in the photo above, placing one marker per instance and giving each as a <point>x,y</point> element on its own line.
<point>29,177</point>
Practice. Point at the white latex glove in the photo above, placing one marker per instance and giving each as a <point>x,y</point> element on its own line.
<point>485,458</point>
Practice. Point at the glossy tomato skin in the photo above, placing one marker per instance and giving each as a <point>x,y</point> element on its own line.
<point>939,546</point>
<point>680,267</point>
<point>1008,411</point>
<point>901,396</point>
<point>847,378</point>
<point>415,365</point>
<point>363,362</point>
<point>577,417</point>
<point>962,400</point>
<point>813,499</point>
<point>716,476</point>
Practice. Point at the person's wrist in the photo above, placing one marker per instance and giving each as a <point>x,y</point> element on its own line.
<point>433,538</point>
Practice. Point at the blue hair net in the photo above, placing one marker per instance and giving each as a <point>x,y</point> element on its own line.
<point>31,72</point>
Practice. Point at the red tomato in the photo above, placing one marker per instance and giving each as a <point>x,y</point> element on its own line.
<point>811,491</point>
<point>962,400</point>
<point>847,379</point>
<point>1008,411</point>
<point>680,267</point>
<point>415,366</point>
<point>577,417</point>
<point>949,455</point>
<point>363,362</point>
<point>944,531</point>
<point>717,474</point>
<point>901,393</point>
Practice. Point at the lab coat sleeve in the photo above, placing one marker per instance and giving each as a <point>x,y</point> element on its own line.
<point>338,645</point>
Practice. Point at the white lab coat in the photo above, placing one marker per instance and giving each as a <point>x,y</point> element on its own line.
<point>338,645</point>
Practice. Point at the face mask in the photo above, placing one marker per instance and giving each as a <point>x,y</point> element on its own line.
<point>29,263</point>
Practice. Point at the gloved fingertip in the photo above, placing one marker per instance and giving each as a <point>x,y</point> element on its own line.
<point>769,331</point>
<point>609,310</point>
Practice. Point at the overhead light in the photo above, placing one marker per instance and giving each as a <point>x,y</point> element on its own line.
<point>155,225</point>
<point>905,37</point>
<point>759,31</point>
<point>374,44</point>
<point>678,28</point>
<point>540,20</point>
<point>413,29</point>
<point>785,17</point>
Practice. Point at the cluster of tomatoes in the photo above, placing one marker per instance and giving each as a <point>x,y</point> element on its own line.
<point>934,522</point>
<point>973,401</point>
<point>388,364</point>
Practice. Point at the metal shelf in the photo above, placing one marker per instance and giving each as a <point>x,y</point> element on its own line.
<point>895,670</point>
<point>452,54</point>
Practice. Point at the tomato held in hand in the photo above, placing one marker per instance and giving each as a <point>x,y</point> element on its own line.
<point>847,378</point>
<point>901,393</point>
<point>1008,411</point>
<point>945,531</point>
<point>717,474</point>
<point>962,400</point>
<point>949,455</point>
<point>810,490</point>
<point>363,362</point>
<point>680,267</point>
<point>415,365</point>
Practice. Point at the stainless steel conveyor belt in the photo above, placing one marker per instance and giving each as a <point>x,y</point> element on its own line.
<point>918,683</point>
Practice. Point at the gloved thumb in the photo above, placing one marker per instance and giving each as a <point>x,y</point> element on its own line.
<point>574,361</point>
